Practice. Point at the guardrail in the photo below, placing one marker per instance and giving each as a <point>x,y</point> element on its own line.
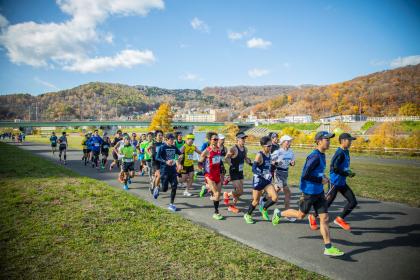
<point>377,150</point>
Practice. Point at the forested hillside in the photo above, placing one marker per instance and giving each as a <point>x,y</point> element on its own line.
<point>378,94</point>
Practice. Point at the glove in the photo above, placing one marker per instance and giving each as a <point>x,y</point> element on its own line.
<point>351,174</point>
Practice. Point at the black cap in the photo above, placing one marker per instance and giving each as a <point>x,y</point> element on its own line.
<point>346,135</point>
<point>323,135</point>
<point>241,135</point>
<point>170,136</point>
<point>273,134</point>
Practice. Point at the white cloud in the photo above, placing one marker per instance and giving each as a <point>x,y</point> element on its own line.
<point>45,83</point>
<point>3,21</point>
<point>190,77</point>
<point>404,61</point>
<point>258,43</point>
<point>68,44</point>
<point>234,36</point>
<point>256,72</point>
<point>125,58</point>
<point>286,64</point>
<point>198,24</point>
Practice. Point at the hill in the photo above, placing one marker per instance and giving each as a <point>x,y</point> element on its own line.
<point>377,94</point>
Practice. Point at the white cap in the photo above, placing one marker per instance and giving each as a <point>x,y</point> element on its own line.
<point>221,136</point>
<point>285,138</point>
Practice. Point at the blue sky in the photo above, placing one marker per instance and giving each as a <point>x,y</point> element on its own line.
<point>51,45</point>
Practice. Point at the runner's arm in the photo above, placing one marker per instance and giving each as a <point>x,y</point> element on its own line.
<point>336,161</point>
<point>311,163</point>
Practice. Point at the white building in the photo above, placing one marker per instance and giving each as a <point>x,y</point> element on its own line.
<point>343,118</point>
<point>298,119</point>
<point>201,117</point>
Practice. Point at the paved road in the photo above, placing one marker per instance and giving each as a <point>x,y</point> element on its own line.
<point>384,242</point>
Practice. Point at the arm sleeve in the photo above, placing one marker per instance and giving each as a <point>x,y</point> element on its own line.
<point>160,154</point>
<point>311,163</point>
<point>336,161</point>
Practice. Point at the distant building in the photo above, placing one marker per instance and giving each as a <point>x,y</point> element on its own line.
<point>298,119</point>
<point>200,117</point>
<point>343,118</point>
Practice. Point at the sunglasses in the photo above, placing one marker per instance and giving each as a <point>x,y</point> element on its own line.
<point>214,139</point>
<point>268,146</point>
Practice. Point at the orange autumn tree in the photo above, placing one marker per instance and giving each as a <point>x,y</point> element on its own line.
<point>162,118</point>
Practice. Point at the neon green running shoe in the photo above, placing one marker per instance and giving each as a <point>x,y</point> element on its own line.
<point>265,216</point>
<point>248,219</point>
<point>334,252</point>
<point>218,216</point>
<point>276,217</point>
<point>203,191</point>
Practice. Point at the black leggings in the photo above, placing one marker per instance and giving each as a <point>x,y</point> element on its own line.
<point>347,193</point>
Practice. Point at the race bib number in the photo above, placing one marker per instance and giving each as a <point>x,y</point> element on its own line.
<point>216,159</point>
<point>241,167</point>
<point>96,144</point>
<point>320,174</point>
<point>64,142</point>
<point>128,160</point>
<point>190,157</point>
<point>106,146</point>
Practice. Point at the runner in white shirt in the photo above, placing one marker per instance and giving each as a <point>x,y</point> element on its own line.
<point>282,159</point>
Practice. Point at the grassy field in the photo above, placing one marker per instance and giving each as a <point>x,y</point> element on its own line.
<point>410,126</point>
<point>55,224</point>
<point>377,180</point>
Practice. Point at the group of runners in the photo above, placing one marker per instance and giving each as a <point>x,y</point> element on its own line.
<point>168,160</point>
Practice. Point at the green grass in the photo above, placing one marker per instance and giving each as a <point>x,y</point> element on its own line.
<point>55,224</point>
<point>367,125</point>
<point>410,126</point>
<point>217,129</point>
<point>74,141</point>
<point>300,126</point>
<point>381,181</point>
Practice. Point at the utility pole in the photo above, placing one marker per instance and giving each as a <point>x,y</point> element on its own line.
<point>36,111</point>
<point>29,113</point>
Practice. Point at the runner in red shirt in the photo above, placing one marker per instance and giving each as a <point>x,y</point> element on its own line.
<point>211,157</point>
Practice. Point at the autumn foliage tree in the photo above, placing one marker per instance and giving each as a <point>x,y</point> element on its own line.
<point>162,118</point>
<point>409,109</point>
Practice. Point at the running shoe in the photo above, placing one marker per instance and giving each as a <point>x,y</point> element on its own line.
<point>226,198</point>
<point>290,219</point>
<point>265,215</point>
<point>342,223</point>
<point>129,180</point>
<point>203,191</point>
<point>142,173</point>
<point>276,217</point>
<point>312,222</point>
<point>334,252</point>
<point>187,193</point>
<point>218,216</point>
<point>248,219</point>
<point>156,193</point>
<point>125,186</point>
<point>233,209</point>
<point>172,207</point>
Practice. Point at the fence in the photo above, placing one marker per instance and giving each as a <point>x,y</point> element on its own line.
<point>394,118</point>
<point>375,150</point>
